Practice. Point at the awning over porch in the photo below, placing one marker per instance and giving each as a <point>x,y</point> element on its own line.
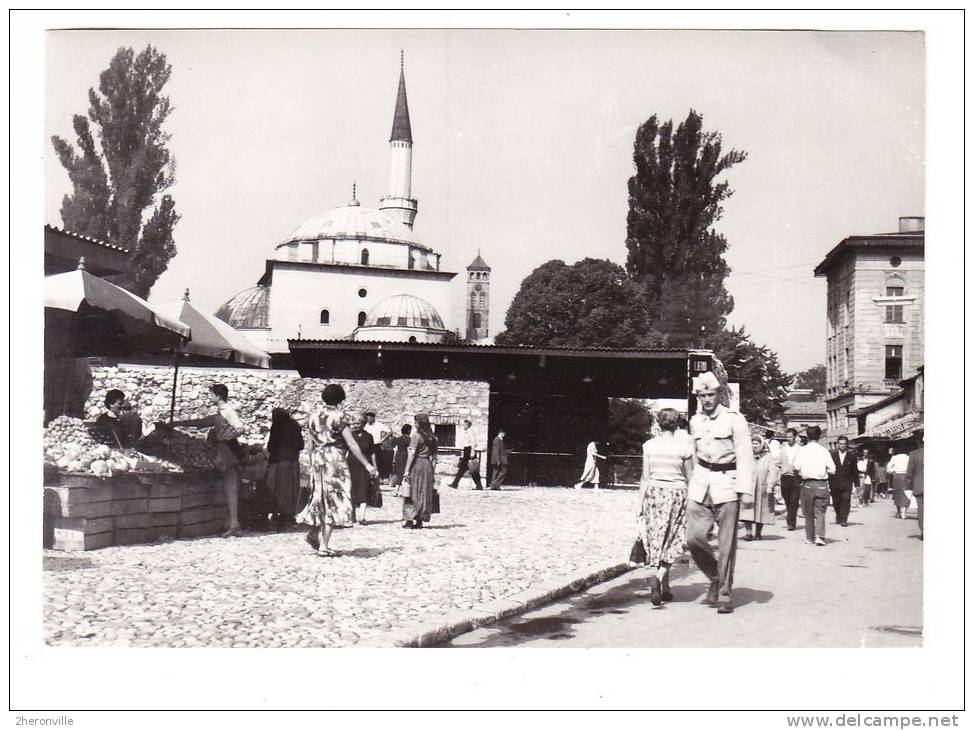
<point>895,429</point>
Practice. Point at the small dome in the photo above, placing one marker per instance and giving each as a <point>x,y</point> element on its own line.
<point>356,222</point>
<point>248,309</point>
<point>404,310</point>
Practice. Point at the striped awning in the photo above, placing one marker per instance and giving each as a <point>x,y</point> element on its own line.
<point>896,428</point>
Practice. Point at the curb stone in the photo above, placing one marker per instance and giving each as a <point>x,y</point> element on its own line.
<point>452,624</point>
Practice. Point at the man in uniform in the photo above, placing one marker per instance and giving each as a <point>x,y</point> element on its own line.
<point>722,480</point>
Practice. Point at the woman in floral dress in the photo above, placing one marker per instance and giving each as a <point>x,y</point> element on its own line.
<point>331,486</point>
<point>667,466</point>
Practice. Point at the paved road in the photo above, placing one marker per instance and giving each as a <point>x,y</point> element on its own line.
<point>864,589</point>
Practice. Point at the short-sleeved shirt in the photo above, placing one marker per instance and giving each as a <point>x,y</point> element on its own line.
<point>667,458</point>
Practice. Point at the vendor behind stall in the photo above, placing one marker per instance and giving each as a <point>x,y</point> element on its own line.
<point>110,427</point>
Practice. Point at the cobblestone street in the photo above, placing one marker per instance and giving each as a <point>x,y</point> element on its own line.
<point>271,590</point>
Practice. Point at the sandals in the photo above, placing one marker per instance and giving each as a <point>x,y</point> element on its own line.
<point>233,532</point>
<point>327,553</point>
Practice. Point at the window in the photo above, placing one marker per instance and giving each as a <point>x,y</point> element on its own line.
<point>361,319</point>
<point>412,338</point>
<point>446,434</point>
<point>362,293</point>
<point>412,260</point>
<point>894,314</point>
<point>365,259</point>
<point>894,362</point>
<point>483,299</point>
<point>324,316</point>
<point>895,261</point>
<point>848,363</point>
<point>475,320</point>
<point>894,291</point>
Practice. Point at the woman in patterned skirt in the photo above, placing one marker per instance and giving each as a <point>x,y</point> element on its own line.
<point>418,482</point>
<point>331,486</point>
<point>667,466</point>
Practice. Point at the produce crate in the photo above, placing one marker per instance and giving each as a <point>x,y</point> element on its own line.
<point>86,512</point>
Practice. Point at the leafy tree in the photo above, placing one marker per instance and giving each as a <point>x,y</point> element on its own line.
<point>674,251</point>
<point>813,379</point>
<point>763,383</point>
<point>591,303</point>
<point>113,189</point>
<point>630,424</point>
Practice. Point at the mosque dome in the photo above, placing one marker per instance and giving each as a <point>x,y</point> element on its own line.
<point>248,309</point>
<point>355,222</point>
<point>404,310</point>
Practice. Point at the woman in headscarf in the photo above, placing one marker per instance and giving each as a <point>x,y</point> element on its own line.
<point>418,482</point>
<point>284,445</point>
<point>331,485</point>
<point>755,516</point>
<point>667,467</point>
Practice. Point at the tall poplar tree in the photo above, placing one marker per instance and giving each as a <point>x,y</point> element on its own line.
<point>118,191</point>
<point>673,250</point>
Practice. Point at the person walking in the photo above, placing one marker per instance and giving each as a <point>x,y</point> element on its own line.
<point>791,483</point>
<point>331,442</point>
<point>814,464</point>
<point>225,427</point>
<point>914,477</point>
<point>896,473</point>
<point>761,510</point>
<point>880,476</point>
<point>721,483</point>
<point>466,463</point>
<point>499,456</point>
<point>866,469</point>
<point>418,483</point>
<point>401,446</point>
<point>667,467</point>
<point>284,446</point>
<point>843,480</point>
<point>590,472</point>
<point>361,477</point>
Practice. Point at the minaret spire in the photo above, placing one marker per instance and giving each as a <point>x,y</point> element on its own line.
<point>399,202</point>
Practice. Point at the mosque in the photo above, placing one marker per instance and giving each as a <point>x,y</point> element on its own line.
<point>360,273</point>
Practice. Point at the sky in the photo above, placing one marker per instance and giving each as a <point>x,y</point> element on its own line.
<point>523,146</point>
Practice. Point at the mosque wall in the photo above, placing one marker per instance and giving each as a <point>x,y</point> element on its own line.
<point>253,393</point>
<point>299,295</point>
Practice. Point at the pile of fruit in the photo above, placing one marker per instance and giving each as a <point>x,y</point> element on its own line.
<point>68,445</point>
<point>188,451</point>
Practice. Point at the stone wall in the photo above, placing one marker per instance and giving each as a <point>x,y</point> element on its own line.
<point>253,393</point>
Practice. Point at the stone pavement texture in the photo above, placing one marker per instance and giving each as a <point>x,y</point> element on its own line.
<point>864,589</point>
<point>270,590</point>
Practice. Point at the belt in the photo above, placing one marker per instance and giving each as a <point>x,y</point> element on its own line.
<point>732,466</point>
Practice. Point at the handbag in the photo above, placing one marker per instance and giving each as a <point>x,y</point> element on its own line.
<point>638,553</point>
<point>473,466</point>
<point>375,494</point>
<point>435,503</point>
<point>405,489</point>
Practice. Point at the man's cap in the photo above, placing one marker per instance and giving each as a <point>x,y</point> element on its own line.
<point>705,382</point>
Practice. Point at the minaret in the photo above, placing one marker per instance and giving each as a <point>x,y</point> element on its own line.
<point>398,202</point>
<point>478,299</point>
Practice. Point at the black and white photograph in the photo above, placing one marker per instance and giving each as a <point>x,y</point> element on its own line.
<point>599,333</point>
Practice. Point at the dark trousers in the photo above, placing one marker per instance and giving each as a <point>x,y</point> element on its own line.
<point>791,492</point>
<point>700,520</point>
<point>463,466</point>
<point>500,471</point>
<point>919,499</point>
<point>815,501</point>
<point>841,502</point>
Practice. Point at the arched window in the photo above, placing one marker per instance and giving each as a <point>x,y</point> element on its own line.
<point>361,319</point>
<point>412,338</point>
<point>475,320</point>
<point>473,299</point>
<point>483,299</point>
<point>365,257</point>
<point>325,317</point>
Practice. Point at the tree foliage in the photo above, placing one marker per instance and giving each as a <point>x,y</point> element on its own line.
<point>591,303</point>
<point>113,188</point>
<point>673,250</point>
<point>813,379</point>
<point>756,368</point>
<point>630,424</point>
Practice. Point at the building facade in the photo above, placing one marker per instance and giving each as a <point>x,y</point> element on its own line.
<point>355,272</point>
<point>875,320</point>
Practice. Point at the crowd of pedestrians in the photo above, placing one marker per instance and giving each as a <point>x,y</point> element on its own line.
<point>719,477</point>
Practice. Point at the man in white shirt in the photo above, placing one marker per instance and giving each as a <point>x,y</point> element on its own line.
<point>814,465</point>
<point>467,462</point>
<point>379,433</point>
<point>791,482</point>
